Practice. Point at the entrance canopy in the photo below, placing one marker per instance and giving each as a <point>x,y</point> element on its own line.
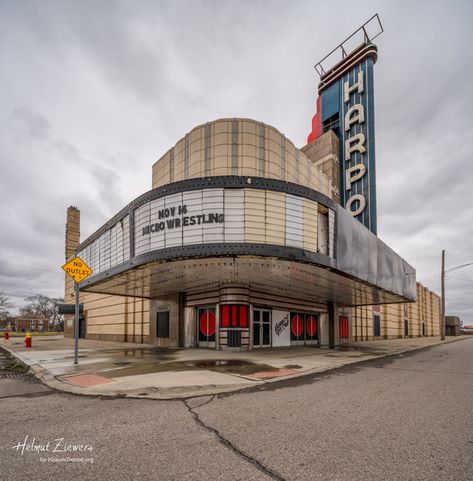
<point>275,276</point>
<point>273,237</point>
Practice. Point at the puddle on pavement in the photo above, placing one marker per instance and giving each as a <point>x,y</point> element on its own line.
<point>155,354</point>
<point>223,366</point>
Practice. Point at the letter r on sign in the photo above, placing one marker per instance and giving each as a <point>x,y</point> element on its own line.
<point>354,144</point>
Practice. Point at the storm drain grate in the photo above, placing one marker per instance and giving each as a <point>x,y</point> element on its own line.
<point>11,375</point>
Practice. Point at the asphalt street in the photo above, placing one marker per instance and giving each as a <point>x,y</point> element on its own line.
<point>406,417</point>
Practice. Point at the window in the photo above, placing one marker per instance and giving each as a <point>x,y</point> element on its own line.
<point>376,325</point>
<point>234,319</point>
<point>162,324</point>
<point>331,123</point>
<point>233,316</point>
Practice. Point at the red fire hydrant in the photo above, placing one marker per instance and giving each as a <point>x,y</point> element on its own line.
<point>28,339</point>
<point>6,335</point>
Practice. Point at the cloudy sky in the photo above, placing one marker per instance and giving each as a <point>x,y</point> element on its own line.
<point>93,92</point>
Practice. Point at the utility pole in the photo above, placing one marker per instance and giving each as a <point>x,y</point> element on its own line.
<point>442,278</point>
<point>442,317</point>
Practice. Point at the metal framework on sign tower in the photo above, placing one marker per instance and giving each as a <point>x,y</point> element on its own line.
<point>368,32</point>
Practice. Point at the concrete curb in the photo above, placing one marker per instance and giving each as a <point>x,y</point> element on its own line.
<point>186,392</point>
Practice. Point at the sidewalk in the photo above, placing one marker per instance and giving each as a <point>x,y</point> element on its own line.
<point>145,371</point>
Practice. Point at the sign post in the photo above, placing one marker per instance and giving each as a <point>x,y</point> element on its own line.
<point>78,270</point>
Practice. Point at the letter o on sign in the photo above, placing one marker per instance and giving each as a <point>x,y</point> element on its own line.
<point>361,206</point>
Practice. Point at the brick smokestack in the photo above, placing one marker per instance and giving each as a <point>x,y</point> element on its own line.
<point>72,231</point>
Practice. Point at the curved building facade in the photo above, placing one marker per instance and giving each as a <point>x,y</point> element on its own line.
<point>246,241</point>
<point>240,244</point>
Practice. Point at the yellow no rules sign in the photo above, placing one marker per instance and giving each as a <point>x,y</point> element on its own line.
<point>77,269</point>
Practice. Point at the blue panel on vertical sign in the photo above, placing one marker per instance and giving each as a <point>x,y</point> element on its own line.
<point>351,116</point>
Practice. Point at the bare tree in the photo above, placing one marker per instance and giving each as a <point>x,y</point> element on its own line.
<point>47,307</point>
<point>5,305</point>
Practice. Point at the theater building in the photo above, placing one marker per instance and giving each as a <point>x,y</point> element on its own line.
<point>246,241</point>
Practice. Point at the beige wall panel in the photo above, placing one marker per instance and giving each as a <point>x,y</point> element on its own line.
<point>248,163</point>
<point>222,150</point>
<point>222,127</point>
<point>275,159</point>
<point>249,151</point>
<point>162,174</point>
<point>222,171</point>
<point>275,218</point>
<point>178,168</point>
<point>246,139</point>
<point>291,151</point>
<point>273,135</point>
<point>310,225</point>
<point>248,136</point>
<point>290,169</point>
<point>248,127</point>
<point>255,214</point>
<point>273,147</point>
<point>272,169</point>
<point>196,134</point>
<point>101,302</point>
<point>196,145</point>
<point>117,309</point>
<point>112,313</point>
<point>113,329</point>
<point>196,166</point>
<point>180,147</point>
<point>221,164</point>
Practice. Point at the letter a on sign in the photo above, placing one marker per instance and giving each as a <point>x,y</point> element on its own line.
<point>77,269</point>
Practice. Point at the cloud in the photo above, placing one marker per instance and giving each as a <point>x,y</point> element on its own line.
<point>93,93</point>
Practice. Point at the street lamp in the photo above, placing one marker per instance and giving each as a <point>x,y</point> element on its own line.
<point>443,272</point>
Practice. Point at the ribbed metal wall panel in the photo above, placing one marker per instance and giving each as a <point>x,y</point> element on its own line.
<point>255,215</point>
<point>192,234</point>
<point>173,234</point>
<point>331,233</point>
<point>310,225</point>
<point>142,219</point>
<point>275,217</point>
<point>294,221</point>
<point>212,203</point>
<point>157,238</point>
<point>234,215</point>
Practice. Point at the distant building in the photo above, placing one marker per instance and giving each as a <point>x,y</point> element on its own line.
<point>452,326</point>
<point>32,322</point>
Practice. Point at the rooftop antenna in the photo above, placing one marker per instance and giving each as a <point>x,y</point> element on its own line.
<point>361,36</point>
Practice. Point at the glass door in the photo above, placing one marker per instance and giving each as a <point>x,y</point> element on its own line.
<point>206,325</point>
<point>261,328</point>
